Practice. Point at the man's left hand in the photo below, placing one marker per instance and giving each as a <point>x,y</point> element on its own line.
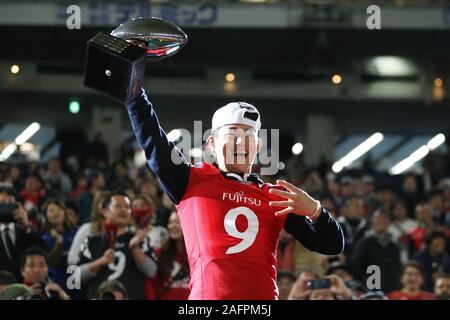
<point>298,201</point>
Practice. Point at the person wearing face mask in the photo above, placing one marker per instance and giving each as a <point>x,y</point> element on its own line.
<point>231,219</point>
<point>117,253</point>
<point>171,281</point>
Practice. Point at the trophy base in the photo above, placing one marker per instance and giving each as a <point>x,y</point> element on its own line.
<point>114,67</point>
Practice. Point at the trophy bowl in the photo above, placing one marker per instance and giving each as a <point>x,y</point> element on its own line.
<point>160,38</point>
<point>115,62</point>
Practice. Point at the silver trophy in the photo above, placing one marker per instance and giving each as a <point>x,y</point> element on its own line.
<point>115,62</point>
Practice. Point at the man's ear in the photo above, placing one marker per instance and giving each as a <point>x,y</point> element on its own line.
<point>210,142</point>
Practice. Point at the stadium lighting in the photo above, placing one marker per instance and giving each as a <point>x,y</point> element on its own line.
<point>358,151</point>
<point>436,141</point>
<point>409,161</point>
<point>230,77</point>
<point>15,69</point>
<point>418,154</point>
<point>438,82</point>
<point>336,79</point>
<point>27,133</point>
<point>74,107</point>
<point>391,66</point>
<point>8,151</point>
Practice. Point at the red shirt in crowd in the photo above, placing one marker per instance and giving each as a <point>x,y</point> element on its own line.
<point>402,295</point>
<point>172,287</point>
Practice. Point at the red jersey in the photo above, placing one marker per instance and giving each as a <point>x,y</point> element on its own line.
<point>230,231</point>
<point>401,295</point>
<point>231,234</point>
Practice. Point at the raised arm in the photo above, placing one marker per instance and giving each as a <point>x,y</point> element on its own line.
<point>163,157</point>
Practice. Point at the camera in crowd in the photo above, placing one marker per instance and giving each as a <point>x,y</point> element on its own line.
<point>6,212</point>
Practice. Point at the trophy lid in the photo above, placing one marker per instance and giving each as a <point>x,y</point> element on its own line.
<point>161,38</point>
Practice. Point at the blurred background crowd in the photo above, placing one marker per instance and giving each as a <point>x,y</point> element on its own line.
<point>400,225</point>
<point>362,113</point>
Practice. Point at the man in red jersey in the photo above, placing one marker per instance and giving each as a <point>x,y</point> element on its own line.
<point>231,220</point>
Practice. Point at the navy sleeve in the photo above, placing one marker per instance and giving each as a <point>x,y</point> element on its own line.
<point>164,159</point>
<point>324,236</point>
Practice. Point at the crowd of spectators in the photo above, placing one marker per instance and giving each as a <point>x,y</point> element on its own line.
<point>113,223</point>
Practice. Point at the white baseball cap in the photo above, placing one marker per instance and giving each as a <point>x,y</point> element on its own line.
<point>236,113</point>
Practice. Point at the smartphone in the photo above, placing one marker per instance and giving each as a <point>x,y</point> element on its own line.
<point>319,284</point>
<point>6,212</point>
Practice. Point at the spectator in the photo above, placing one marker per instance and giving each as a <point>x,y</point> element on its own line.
<point>353,222</point>
<point>58,236</point>
<point>15,178</point>
<point>321,294</point>
<point>412,279</point>
<point>313,183</point>
<point>442,286</point>
<point>34,193</point>
<point>385,196</point>
<point>144,205</point>
<point>300,290</point>
<point>348,187</point>
<point>338,288</point>
<point>436,199</point>
<point>401,227</point>
<point>285,253</point>
<point>123,256</point>
<point>339,269</point>
<point>18,291</point>
<point>334,189</point>
<point>34,268</point>
<point>80,187</point>
<point>96,182</point>
<point>328,203</point>
<point>93,228</point>
<point>56,179</point>
<point>15,237</point>
<point>98,149</point>
<point>171,281</point>
<point>424,216</point>
<point>378,249</point>
<point>410,191</point>
<point>374,295</point>
<point>6,278</point>
<point>285,282</point>
<point>119,178</point>
<point>73,213</point>
<point>433,257</point>
<point>111,290</point>
<point>163,212</point>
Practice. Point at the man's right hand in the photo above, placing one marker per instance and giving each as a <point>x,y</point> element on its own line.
<point>108,257</point>
<point>21,216</point>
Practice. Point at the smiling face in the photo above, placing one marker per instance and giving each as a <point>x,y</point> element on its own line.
<point>236,147</point>
<point>174,226</point>
<point>118,211</point>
